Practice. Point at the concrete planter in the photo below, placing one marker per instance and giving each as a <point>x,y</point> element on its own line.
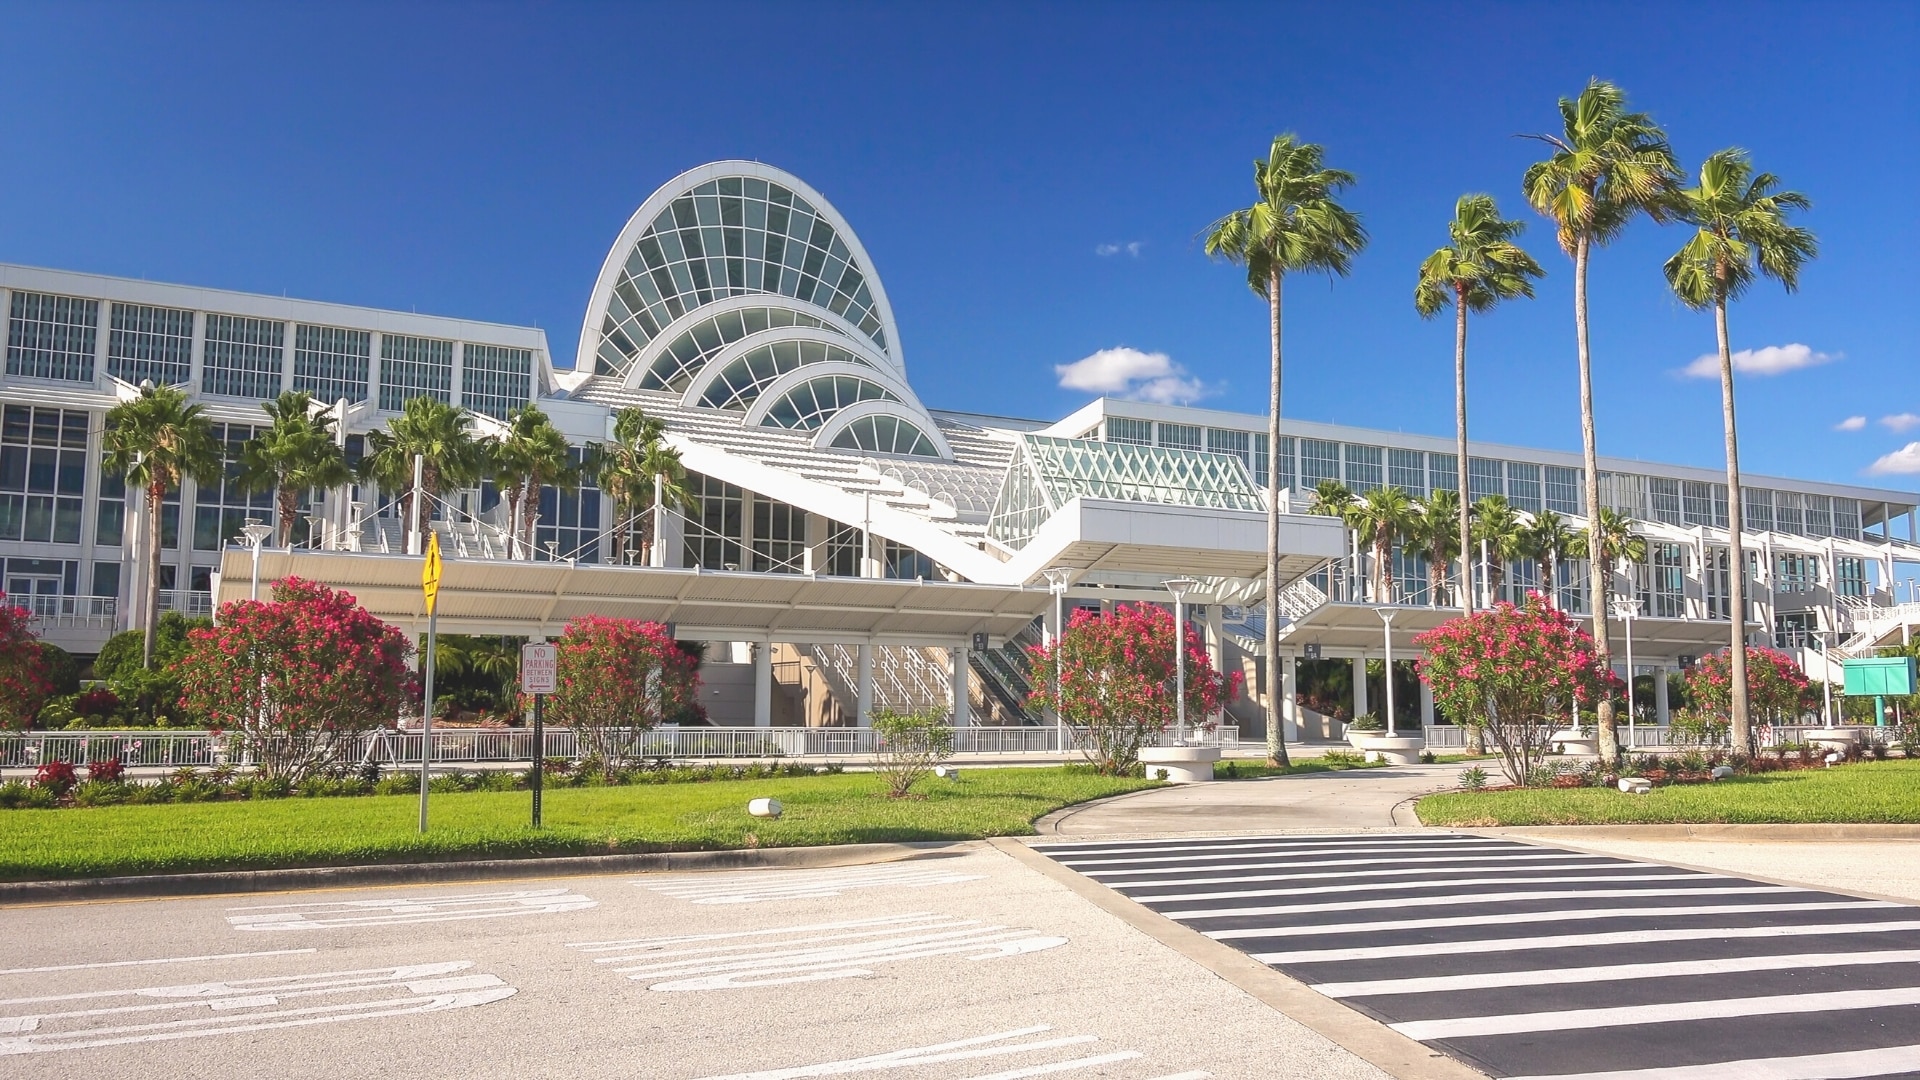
<point>1180,764</point>
<point>1840,738</point>
<point>1571,741</point>
<point>1393,749</point>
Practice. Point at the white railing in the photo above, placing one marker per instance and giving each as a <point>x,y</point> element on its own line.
<point>186,601</point>
<point>1642,736</point>
<point>90,611</point>
<point>463,746</point>
<point>903,676</point>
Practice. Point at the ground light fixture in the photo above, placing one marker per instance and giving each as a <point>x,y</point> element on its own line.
<point>1057,579</point>
<point>1625,609</point>
<point>1386,635</point>
<point>256,532</point>
<point>1179,587</point>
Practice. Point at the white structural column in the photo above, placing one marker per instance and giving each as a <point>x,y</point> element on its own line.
<point>1426,704</point>
<point>864,716</point>
<point>763,684</point>
<point>1660,712</point>
<point>962,708</point>
<point>1216,652</point>
<point>1359,686</point>
<point>1289,707</point>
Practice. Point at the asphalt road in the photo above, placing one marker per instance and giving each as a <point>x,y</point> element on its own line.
<point>1531,961</point>
<point>972,967</point>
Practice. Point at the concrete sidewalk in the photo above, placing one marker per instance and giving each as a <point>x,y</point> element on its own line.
<point>1352,799</point>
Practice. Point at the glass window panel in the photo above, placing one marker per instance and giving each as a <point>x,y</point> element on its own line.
<point>332,363</point>
<point>1180,436</point>
<point>1364,470</point>
<point>1124,429</point>
<point>1562,489</point>
<point>242,357</point>
<point>413,367</point>
<point>1484,477</point>
<point>1523,486</point>
<point>52,337</point>
<point>150,343</point>
<point>1407,470</point>
<point>1319,460</point>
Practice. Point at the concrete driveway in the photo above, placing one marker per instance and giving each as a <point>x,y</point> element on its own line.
<point>1352,799</point>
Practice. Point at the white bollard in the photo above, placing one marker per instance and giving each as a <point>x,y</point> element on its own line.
<point>1721,772</point>
<point>946,772</point>
<point>766,808</point>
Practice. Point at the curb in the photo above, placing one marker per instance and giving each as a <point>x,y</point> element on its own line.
<point>1806,831</point>
<point>441,873</point>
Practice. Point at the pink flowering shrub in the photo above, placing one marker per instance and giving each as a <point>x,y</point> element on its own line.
<point>294,680</point>
<point>1117,681</point>
<point>57,776</point>
<point>1515,672</point>
<point>24,685</point>
<point>618,677</point>
<point>1777,690</point>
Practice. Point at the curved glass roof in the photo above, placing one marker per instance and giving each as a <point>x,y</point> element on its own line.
<point>814,402</point>
<point>732,236</point>
<point>683,357</point>
<point>739,383</point>
<point>885,435</point>
<point>1048,472</point>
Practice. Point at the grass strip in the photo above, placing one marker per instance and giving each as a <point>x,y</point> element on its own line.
<point>1879,792</point>
<point>256,835</point>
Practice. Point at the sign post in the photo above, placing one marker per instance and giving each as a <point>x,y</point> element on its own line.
<point>539,675</point>
<point>430,588</point>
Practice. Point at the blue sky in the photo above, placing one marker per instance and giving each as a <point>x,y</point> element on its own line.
<point>477,160</point>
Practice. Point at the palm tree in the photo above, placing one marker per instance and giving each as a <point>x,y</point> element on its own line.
<point>1479,268</point>
<point>1294,226</point>
<point>1333,499</point>
<point>155,440</point>
<point>530,456</point>
<point>1497,526</point>
<point>296,452</point>
<point>1439,541</point>
<point>1608,166</point>
<point>1618,545</point>
<point>1551,541</point>
<point>640,470</point>
<point>441,435</point>
<point>1740,224</point>
<point>1382,516</point>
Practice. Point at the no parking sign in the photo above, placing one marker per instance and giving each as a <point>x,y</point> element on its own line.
<point>539,668</point>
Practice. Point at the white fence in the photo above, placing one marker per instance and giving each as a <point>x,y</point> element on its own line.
<point>457,746</point>
<point>1642,736</point>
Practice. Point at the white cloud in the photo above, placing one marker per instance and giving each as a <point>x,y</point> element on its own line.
<point>1772,360</point>
<point>1130,373</point>
<point>1131,247</point>
<point>1851,423</point>
<point>1901,421</point>
<point>1904,460</point>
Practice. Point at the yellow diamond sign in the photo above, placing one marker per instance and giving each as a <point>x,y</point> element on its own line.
<point>430,573</point>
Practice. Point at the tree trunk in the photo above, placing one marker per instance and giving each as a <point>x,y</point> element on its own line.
<point>513,521</point>
<point>156,497</point>
<point>289,506</point>
<point>1460,437</point>
<point>530,515</point>
<point>1276,736</point>
<point>1598,579</point>
<point>1742,729</point>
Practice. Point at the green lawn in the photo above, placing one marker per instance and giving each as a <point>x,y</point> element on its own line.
<point>839,809</point>
<point>1871,792</point>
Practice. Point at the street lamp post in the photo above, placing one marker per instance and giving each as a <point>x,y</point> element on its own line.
<point>256,532</point>
<point>1386,635</point>
<point>1826,682</point>
<point>1179,588</point>
<point>1057,578</point>
<point>1624,609</point>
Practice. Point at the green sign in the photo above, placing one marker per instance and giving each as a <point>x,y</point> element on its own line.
<point>1877,676</point>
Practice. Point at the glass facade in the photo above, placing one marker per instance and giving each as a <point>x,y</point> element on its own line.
<point>779,537</point>
<point>495,380</point>
<point>1319,460</point>
<point>52,337</point>
<point>1179,436</point>
<point>1047,472</point>
<point>221,508</point>
<point>885,435</point>
<point>1124,429</point>
<point>1407,470</point>
<point>242,357</point>
<point>413,367</point>
<point>739,384</point>
<point>570,520</point>
<point>1443,472</point>
<point>332,363</point>
<point>43,474</point>
<point>150,343</point>
<point>815,401</point>
<point>1562,489</point>
<point>688,352</point>
<point>1484,478</point>
<point>733,236</point>
<point>1363,471</point>
<point>1523,486</point>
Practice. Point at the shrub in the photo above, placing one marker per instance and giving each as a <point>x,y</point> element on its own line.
<point>1474,779</point>
<point>55,776</point>
<point>14,794</point>
<point>1343,759</point>
<point>1523,668</point>
<point>910,744</point>
<point>25,681</point>
<point>1367,722</point>
<point>617,675</point>
<point>1691,728</point>
<point>405,783</point>
<point>1116,676</point>
<point>100,793</point>
<point>296,679</point>
<point>1776,687</point>
<point>108,769</point>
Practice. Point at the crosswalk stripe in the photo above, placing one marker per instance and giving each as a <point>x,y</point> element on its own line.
<point>1423,862</point>
<point>1398,902</point>
<point>1426,874</point>
<point>1562,915</point>
<point>1845,1065</point>
<point>1423,836</point>
<point>1404,886</point>
<point>1467,1027</point>
<point>1562,941</point>
<point>1268,848</point>
<point>1279,858</point>
<point>1555,976</point>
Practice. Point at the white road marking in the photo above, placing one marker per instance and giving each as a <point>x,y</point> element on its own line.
<point>1415,865</point>
<point>760,886</point>
<point>1445,899</point>
<point>812,953</point>
<point>982,1046</point>
<point>194,1010</point>
<point>1562,941</point>
<point>1397,886</point>
<point>1465,1027</point>
<point>1437,984</point>
<point>404,910</point>
<point>1074,1065</point>
<point>1344,875</point>
<point>158,960</point>
<point>1279,858</point>
<point>1840,1066</point>
<point>1269,847</point>
<point>1565,915</point>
